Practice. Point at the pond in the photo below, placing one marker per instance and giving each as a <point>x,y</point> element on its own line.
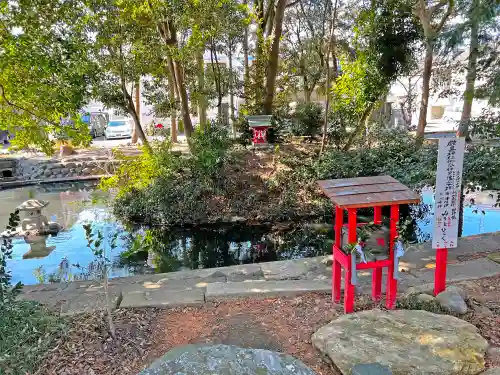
<point>74,204</point>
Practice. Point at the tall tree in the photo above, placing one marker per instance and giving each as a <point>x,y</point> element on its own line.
<point>120,58</point>
<point>330,49</point>
<point>385,44</point>
<point>305,43</point>
<point>269,17</point>
<point>44,71</point>
<point>480,25</point>
<point>433,16</point>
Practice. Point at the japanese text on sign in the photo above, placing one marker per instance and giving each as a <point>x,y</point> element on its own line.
<point>448,189</point>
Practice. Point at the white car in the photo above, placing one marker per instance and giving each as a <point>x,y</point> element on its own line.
<point>119,128</point>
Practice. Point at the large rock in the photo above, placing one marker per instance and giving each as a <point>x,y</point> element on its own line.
<point>452,300</point>
<point>225,360</point>
<point>408,341</point>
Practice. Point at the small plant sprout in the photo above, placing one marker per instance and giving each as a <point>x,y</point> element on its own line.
<point>97,242</point>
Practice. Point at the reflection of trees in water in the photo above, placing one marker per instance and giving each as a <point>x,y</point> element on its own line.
<point>174,250</point>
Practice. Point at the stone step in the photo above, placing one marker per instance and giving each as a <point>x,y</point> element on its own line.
<point>169,294</point>
<point>261,288</point>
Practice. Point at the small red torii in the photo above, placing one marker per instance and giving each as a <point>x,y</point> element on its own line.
<point>362,192</point>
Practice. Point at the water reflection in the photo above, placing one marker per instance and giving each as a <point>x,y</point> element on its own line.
<point>71,205</point>
<point>167,251</point>
<point>66,257</point>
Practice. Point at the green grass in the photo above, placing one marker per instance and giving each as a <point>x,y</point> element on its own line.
<point>27,331</point>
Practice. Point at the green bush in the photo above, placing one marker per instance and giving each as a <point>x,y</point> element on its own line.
<point>174,192</point>
<point>27,331</point>
<point>307,120</point>
<point>138,172</point>
<point>392,152</point>
<point>208,149</point>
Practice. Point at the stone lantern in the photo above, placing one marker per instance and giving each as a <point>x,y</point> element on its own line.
<point>33,221</point>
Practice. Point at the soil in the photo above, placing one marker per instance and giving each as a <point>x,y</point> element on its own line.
<point>256,186</point>
<point>282,324</point>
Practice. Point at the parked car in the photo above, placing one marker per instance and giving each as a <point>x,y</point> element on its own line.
<point>97,122</point>
<point>119,128</point>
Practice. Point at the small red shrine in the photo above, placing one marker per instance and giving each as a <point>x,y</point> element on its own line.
<point>362,192</point>
<point>260,128</point>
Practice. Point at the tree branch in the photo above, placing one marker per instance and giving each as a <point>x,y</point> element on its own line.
<point>267,14</point>
<point>18,107</point>
<point>293,3</point>
<point>446,15</point>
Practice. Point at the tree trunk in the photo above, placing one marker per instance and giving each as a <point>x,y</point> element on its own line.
<point>202,108</point>
<point>362,124</point>
<point>181,85</point>
<point>426,82</point>
<point>274,57</point>
<point>330,46</point>
<point>246,65</point>
<point>463,129</point>
<point>137,122</point>
<point>231,88</point>
<point>168,33</point>
<point>173,102</point>
<point>307,95</point>
<point>129,103</point>
<point>137,109</point>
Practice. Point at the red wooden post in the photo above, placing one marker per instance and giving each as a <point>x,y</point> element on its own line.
<point>377,216</point>
<point>376,283</point>
<point>392,283</point>
<point>352,237</point>
<point>440,273</point>
<point>377,272</point>
<point>336,268</point>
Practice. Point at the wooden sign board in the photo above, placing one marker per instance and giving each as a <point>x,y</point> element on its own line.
<point>448,190</point>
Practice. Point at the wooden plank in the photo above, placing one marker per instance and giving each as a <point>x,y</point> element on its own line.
<point>377,199</point>
<point>361,189</point>
<point>357,181</point>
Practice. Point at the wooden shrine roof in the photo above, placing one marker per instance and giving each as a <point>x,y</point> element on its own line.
<point>368,192</point>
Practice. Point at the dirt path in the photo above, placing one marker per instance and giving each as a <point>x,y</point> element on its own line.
<point>280,324</point>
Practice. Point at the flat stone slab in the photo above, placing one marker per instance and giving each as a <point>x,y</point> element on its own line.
<point>469,270</point>
<point>221,274</point>
<point>495,257</point>
<point>409,342</point>
<point>225,360</point>
<point>157,295</point>
<point>292,269</point>
<point>260,288</point>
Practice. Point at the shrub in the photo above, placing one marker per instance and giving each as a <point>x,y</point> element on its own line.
<point>208,149</point>
<point>168,190</point>
<point>138,172</point>
<point>307,120</point>
<point>27,331</point>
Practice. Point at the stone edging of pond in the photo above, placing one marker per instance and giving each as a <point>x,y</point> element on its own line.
<point>288,277</point>
<point>21,183</point>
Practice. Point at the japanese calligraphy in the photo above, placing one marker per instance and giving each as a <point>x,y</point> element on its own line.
<point>448,190</point>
